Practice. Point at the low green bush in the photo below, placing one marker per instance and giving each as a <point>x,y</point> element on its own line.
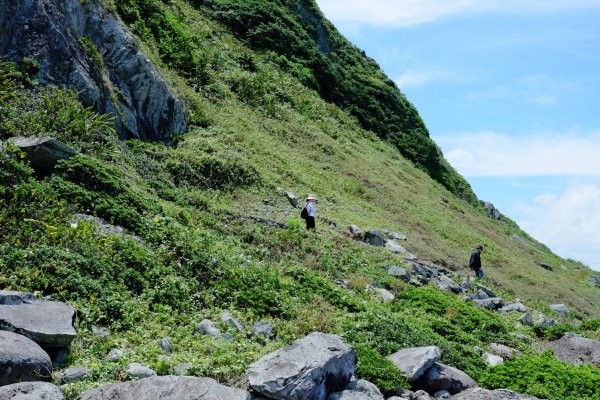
<point>212,173</point>
<point>378,370</point>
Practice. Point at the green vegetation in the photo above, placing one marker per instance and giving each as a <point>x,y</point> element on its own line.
<point>190,248</point>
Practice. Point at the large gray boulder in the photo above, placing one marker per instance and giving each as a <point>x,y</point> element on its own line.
<point>574,349</point>
<point>311,368</point>
<point>167,388</point>
<point>30,391</point>
<point>43,152</point>
<point>64,35</point>
<point>442,377</point>
<point>375,238</point>
<point>484,394</point>
<point>358,390</point>
<point>22,360</point>
<point>48,323</point>
<point>415,361</point>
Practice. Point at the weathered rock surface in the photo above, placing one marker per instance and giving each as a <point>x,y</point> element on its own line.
<point>355,231</point>
<point>375,238</point>
<point>43,152</point>
<point>115,355</point>
<point>445,283</point>
<point>48,323</point>
<point>166,344</point>
<point>442,377</point>
<point>206,327</point>
<point>541,319</point>
<point>399,273</point>
<point>22,360</point>
<point>167,388</point>
<point>526,319</point>
<point>574,349</point>
<point>358,390</point>
<point>415,361</point>
<point>484,394</point>
<point>504,351</point>
<point>263,329</point>
<point>310,368</point>
<point>30,391</point>
<point>139,371</point>
<point>491,211</point>
<point>513,307</point>
<point>12,298</point>
<point>72,375</point>
<point>491,303</point>
<point>487,290</point>
<point>227,318</point>
<point>561,309</point>
<point>594,280</point>
<point>492,359</point>
<point>292,198</point>
<point>384,295</point>
<point>125,84</point>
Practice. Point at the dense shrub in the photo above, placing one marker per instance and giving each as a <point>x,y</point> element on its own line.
<point>378,370</point>
<point>212,173</point>
<point>13,168</point>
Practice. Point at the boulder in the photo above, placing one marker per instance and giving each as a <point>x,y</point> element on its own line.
<point>292,198</point>
<point>139,371</point>
<point>48,323</point>
<point>375,238</point>
<point>484,394</point>
<point>504,351</point>
<point>394,235</point>
<point>10,298</point>
<point>492,359</point>
<point>513,307</point>
<point>206,327</point>
<point>358,390</point>
<point>442,394</point>
<point>167,388</point>
<point>115,355</point>
<point>465,284</point>
<point>182,369</point>
<point>227,318</point>
<point>421,395</point>
<point>447,284</point>
<point>384,295</point>
<point>442,377</point>
<point>491,211</point>
<point>166,345</point>
<point>492,303</point>
<point>574,349</point>
<point>43,152</point>
<point>399,273</point>
<point>395,247</point>
<point>30,391</point>
<point>594,280</point>
<point>22,360</point>
<point>310,368</point>
<point>526,319</point>
<point>72,375</point>
<point>123,83</point>
<point>561,309</point>
<point>263,329</point>
<point>355,231</point>
<point>486,290</point>
<point>541,319</point>
<point>415,361</point>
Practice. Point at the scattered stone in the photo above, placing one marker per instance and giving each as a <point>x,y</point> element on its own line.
<point>139,371</point>
<point>465,284</point>
<point>263,329</point>
<point>206,327</point>
<point>309,368</point>
<point>234,323</point>
<point>541,319</point>
<point>442,394</point>
<point>394,235</point>
<point>504,351</point>
<point>413,362</point>
<point>100,332</point>
<point>399,273</point>
<point>30,391</point>
<point>355,231</point>
<point>43,152</point>
<point>422,395</point>
<point>182,369</point>
<point>22,360</point>
<point>167,388</point>
<point>358,390</point>
<point>561,309</point>
<point>526,319</point>
<point>514,307</point>
<point>115,355</point>
<point>492,359</point>
<point>72,375</point>
<point>384,295</point>
<point>292,198</point>
<point>594,280</point>
<point>394,247</point>
<point>481,295</point>
<point>267,222</point>
<point>375,238</point>
<point>484,394</point>
<point>48,323</point>
<point>416,282</point>
<point>492,303</point>
<point>442,377</point>
<point>166,345</point>
<point>486,290</point>
<point>447,284</point>
<point>576,350</point>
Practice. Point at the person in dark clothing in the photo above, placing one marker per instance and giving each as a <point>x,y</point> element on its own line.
<point>475,262</point>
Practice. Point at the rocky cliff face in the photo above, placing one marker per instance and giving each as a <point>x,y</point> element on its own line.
<point>82,45</point>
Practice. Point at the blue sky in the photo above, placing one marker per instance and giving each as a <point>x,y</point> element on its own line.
<point>510,90</point>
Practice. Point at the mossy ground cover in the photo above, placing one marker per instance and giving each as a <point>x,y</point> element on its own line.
<point>255,127</point>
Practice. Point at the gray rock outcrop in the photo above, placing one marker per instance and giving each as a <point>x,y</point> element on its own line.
<point>561,309</point>
<point>30,391</point>
<point>526,319</point>
<point>574,349</point>
<point>399,273</point>
<point>72,374</point>
<point>442,377</point>
<point>310,368</point>
<point>513,307</point>
<point>504,351</point>
<point>445,283</point>
<point>375,238</point>
<point>491,211</point>
<point>139,371</point>
<point>22,360</point>
<point>491,303</point>
<point>227,318</point>
<point>43,152</point>
<point>355,231</point>
<point>594,280</point>
<point>167,388</point>
<point>48,323</point>
<point>415,361</point>
<point>358,390</point>
<point>207,327</point>
<point>124,83</point>
<point>12,298</point>
<point>492,359</point>
<point>484,394</point>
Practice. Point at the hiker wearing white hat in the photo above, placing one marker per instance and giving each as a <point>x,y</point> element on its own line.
<point>311,210</point>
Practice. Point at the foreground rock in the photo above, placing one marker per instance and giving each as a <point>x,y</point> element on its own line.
<point>415,361</point>
<point>310,368</point>
<point>167,388</point>
<point>73,374</point>
<point>375,238</point>
<point>48,323</point>
<point>358,390</point>
<point>442,377</point>
<point>43,152</point>
<point>574,349</point>
<point>120,80</point>
<point>30,391</point>
<point>22,360</point>
<point>484,394</point>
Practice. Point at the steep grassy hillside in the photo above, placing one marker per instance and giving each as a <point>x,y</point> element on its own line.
<point>192,248</point>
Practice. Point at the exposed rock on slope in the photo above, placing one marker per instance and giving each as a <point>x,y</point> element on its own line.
<point>80,44</point>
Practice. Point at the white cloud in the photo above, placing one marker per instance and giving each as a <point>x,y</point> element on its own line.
<point>542,90</point>
<point>400,13</point>
<point>567,222</point>
<point>414,78</point>
<point>495,154</point>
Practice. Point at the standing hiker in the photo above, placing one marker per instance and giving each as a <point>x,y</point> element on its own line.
<point>475,262</point>
<point>309,211</point>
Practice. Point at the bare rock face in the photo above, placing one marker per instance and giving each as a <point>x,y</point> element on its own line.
<point>21,360</point>
<point>30,391</point>
<point>441,377</point>
<point>415,361</point>
<point>576,350</point>
<point>484,394</point>
<point>43,152</point>
<point>59,34</point>
<point>167,388</point>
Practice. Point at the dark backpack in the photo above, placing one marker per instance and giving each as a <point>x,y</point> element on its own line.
<point>304,213</point>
